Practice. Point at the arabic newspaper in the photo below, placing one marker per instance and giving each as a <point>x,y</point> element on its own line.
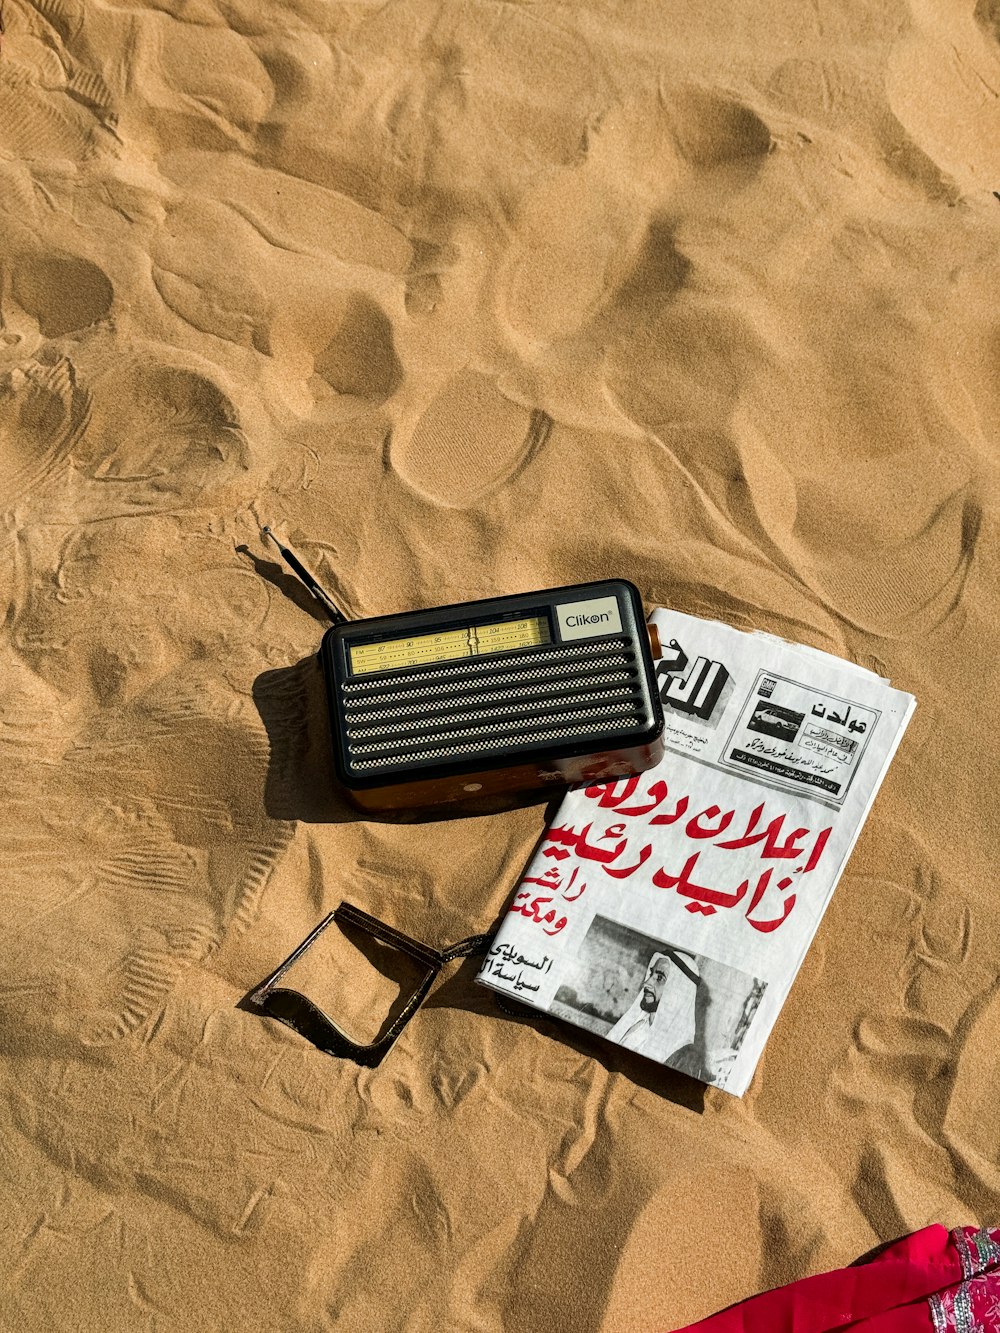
<point>670,912</point>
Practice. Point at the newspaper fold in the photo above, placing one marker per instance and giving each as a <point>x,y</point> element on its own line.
<point>671,912</point>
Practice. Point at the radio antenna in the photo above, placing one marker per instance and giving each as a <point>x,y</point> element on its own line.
<point>310,580</point>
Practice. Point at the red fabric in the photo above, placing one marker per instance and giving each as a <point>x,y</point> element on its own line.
<point>934,1281</point>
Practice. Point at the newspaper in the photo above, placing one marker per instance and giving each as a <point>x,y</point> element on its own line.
<point>670,912</point>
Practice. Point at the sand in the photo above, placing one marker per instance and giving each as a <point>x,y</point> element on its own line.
<point>470,299</point>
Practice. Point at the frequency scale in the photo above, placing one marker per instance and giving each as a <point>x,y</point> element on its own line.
<point>478,698</point>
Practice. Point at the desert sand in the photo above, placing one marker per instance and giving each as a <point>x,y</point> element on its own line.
<point>466,299</point>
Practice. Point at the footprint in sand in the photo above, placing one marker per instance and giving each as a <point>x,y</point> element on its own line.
<point>360,360</point>
<point>199,84</point>
<point>210,846</point>
<point>469,441</point>
<point>589,237</point>
<point>897,588</point>
<point>62,292</point>
<point>715,131</point>
<point>39,124</point>
<point>138,861</point>
<point>159,431</point>
<point>42,409</point>
<point>596,263</point>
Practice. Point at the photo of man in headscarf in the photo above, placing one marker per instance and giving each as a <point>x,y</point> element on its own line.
<point>687,1011</point>
<point>665,985</point>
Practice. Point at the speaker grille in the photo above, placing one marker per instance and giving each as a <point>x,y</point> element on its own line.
<point>403,718</point>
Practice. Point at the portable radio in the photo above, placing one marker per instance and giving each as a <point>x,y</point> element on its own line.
<point>509,693</point>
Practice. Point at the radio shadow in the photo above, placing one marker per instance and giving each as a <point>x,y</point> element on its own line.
<point>460,992</point>
<point>301,783</point>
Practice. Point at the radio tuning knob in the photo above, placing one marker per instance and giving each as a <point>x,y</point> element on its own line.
<point>654,642</point>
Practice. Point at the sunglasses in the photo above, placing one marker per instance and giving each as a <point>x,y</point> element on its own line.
<point>303,1016</point>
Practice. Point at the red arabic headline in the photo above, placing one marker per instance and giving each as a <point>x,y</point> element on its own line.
<point>615,854</point>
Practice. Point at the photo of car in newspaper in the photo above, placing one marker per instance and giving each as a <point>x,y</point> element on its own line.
<point>799,737</point>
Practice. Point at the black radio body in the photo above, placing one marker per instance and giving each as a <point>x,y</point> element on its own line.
<point>509,693</point>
